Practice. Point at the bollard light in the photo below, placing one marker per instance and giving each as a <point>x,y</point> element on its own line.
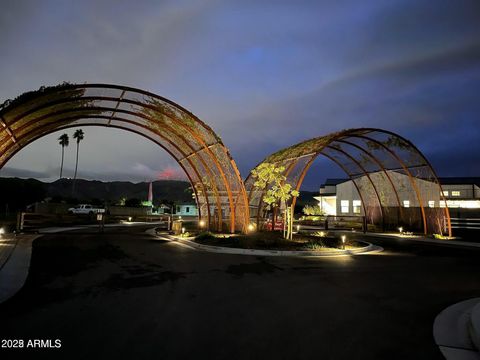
<point>180,217</point>
<point>298,228</point>
<point>2,231</point>
<point>344,238</point>
<point>130,219</point>
<point>183,230</point>
<point>400,229</point>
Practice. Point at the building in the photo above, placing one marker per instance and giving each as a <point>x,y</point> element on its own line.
<point>340,196</point>
<point>186,209</point>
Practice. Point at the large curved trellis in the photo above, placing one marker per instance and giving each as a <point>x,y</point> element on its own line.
<point>387,172</point>
<point>215,179</point>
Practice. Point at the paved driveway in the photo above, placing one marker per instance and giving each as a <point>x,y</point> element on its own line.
<point>123,294</point>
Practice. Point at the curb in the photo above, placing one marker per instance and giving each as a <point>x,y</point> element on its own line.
<point>454,330</point>
<point>296,253</point>
<point>423,240</point>
<point>15,271</point>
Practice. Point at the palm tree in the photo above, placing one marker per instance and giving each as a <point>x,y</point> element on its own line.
<point>64,142</point>
<point>79,135</point>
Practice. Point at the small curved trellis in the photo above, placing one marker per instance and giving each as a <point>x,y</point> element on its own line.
<point>386,170</point>
<point>215,179</point>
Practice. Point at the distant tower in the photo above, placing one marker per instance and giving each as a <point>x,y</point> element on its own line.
<point>150,193</point>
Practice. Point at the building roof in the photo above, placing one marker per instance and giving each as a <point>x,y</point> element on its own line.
<point>332,182</point>
<point>459,180</point>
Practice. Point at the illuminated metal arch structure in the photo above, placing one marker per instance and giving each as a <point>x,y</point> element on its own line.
<point>394,181</point>
<point>215,179</point>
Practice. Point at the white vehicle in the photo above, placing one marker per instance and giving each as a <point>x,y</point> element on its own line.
<point>85,209</point>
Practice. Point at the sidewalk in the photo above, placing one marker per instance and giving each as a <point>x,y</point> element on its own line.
<point>14,267</point>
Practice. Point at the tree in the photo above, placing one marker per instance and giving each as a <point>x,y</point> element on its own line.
<point>63,141</point>
<point>133,202</point>
<point>270,180</point>
<point>312,210</point>
<point>79,136</point>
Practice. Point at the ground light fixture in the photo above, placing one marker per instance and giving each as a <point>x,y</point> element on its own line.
<point>251,227</point>
<point>2,231</point>
<point>201,223</point>
<point>400,229</point>
<point>130,219</point>
<point>298,228</point>
<point>344,238</point>
<point>183,230</point>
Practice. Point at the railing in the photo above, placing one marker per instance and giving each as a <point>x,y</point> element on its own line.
<point>338,222</point>
<point>465,223</point>
<point>34,221</point>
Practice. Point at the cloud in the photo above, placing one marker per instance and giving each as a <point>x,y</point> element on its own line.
<point>23,173</point>
<point>263,74</point>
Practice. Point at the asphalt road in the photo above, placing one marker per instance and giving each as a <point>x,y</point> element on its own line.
<point>123,294</point>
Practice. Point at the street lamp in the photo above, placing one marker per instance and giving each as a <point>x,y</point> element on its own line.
<point>344,238</point>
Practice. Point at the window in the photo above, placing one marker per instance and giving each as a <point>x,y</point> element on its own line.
<point>406,203</point>
<point>345,204</point>
<point>442,204</point>
<point>455,193</point>
<point>431,203</point>
<point>356,206</point>
<point>445,192</point>
<point>187,209</point>
<point>178,209</point>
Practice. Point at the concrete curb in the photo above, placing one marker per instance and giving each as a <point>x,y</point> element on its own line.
<point>453,331</point>
<point>475,325</point>
<point>237,251</point>
<point>15,271</point>
<point>421,239</point>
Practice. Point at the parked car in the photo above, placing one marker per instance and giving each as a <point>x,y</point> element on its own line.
<point>85,209</point>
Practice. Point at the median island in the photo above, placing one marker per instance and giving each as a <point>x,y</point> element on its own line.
<point>273,240</point>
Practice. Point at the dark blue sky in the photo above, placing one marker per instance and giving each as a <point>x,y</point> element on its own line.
<point>263,74</point>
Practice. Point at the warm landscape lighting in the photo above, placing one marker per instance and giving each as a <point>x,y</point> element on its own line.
<point>183,230</point>
<point>298,228</point>
<point>400,229</point>
<point>344,238</point>
<point>201,223</point>
<point>129,218</point>
<point>251,227</point>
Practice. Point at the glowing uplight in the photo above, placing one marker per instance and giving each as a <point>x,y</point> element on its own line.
<point>183,230</point>
<point>344,238</point>
<point>129,218</point>
<point>298,228</point>
<point>400,229</point>
<point>251,227</point>
<point>2,231</point>
<point>180,217</point>
<point>322,234</point>
<point>201,223</point>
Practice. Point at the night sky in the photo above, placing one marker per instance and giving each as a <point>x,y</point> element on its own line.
<point>263,74</point>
